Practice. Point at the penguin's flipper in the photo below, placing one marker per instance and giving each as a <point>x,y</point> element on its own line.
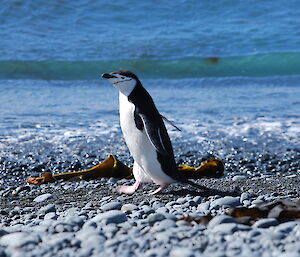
<point>157,135</point>
<point>170,122</point>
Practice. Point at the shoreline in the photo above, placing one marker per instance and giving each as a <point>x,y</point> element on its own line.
<point>282,185</point>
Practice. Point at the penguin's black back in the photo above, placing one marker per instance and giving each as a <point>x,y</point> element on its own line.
<point>146,114</point>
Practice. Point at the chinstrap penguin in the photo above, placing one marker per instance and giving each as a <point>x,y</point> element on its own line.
<point>145,135</point>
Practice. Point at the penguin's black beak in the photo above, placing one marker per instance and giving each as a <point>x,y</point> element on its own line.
<point>108,76</point>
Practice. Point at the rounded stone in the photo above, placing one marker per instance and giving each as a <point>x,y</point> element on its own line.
<point>226,228</point>
<point>50,216</point>
<point>164,225</point>
<point>152,218</point>
<point>75,220</point>
<point>129,207</point>
<point>181,200</point>
<point>170,216</point>
<point>19,239</point>
<point>243,227</point>
<point>113,216</point>
<point>220,220</point>
<point>43,197</point>
<point>257,201</point>
<point>286,227</point>
<point>245,196</point>
<point>204,207</point>
<point>20,189</point>
<point>265,223</point>
<point>239,177</point>
<point>180,223</point>
<point>46,209</point>
<point>227,201</point>
<point>3,232</point>
<point>111,206</point>
<point>290,254</point>
<point>182,252</point>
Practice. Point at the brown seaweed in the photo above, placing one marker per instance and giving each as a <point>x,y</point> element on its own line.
<point>113,168</point>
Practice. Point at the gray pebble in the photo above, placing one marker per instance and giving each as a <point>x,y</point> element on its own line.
<point>162,236</point>
<point>112,181</point>
<point>86,232</point>
<point>157,252</point>
<point>157,204</point>
<point>170,216</point>
<point>292,247</point>
<point>3,232</point>
<point>246,203</point>
<point>265,223</point>
<point>43,198</point>
<point>113,216</point>
<point>181,200</point>
<point>254,233</point>
<point>289,254</point>
<point>46,209</point>
<point>203,207</point>
<point>75,220</point>
<point>191,203</point>
<point>197,199</point>
<point>147,209</point>
<point>243,227</point>
<point>245,196</point>
<point>182,252</point>
<point>226,228</point>
<point>286,227</point>
<point>129,207</point>
<point>50,216</point>
<point>180,223</point>
<point>20,189</point>
<point>63,227</point>
<point>110,230</point>
<point>261,197</point>
<point>220,220</point>
<point>115,241</point>
<point>164,225</point>
<point>60,240</point>
<point>89,223</point>
<point>2,253</point>
<point>106,198</point>
<point>277,235</point>
<point>227,201</point>
<point>162,210</point>
<point>152,218</point>
<point>111,206</point>
<point>71,212</point>
<point>19,239</point>
<point>257,201</point>
<point>239,177</point>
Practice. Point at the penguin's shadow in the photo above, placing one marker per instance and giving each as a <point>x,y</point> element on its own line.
<point>204,192</point>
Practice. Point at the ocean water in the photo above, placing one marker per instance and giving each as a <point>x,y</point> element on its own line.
<point>226,72</point>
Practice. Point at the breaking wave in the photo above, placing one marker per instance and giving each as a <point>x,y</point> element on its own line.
<point>263,65</point>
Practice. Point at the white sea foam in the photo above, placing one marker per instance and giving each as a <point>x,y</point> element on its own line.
<point>208,136</point>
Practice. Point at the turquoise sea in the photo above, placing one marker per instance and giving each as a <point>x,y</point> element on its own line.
<point>227,72</point>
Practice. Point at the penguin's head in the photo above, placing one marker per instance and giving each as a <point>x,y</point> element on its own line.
<point>124,81</point>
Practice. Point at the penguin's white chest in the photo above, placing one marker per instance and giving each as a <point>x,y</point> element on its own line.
<point>139,144</point>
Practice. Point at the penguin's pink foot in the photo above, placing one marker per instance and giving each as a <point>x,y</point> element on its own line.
<point>160,189</point>
<point>128,189</point>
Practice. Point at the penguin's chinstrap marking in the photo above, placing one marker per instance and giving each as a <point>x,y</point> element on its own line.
<point>145,134</point>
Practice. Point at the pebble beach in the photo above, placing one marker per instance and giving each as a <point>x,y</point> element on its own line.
<point>89,218</point>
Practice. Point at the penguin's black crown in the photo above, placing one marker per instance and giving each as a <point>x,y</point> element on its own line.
<point>126,73</point>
